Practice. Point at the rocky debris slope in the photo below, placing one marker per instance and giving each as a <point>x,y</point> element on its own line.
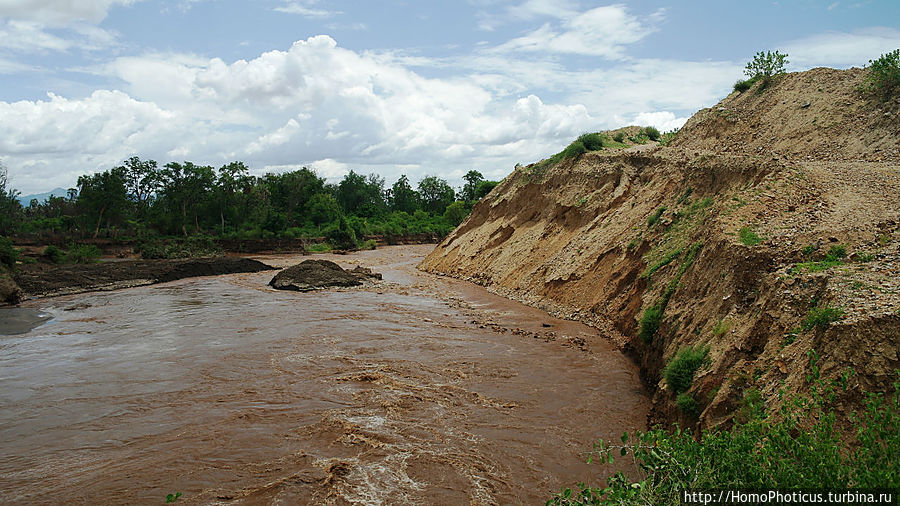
<point>768,230</point>
<point>317,274</point>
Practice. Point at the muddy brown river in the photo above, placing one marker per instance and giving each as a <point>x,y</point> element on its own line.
<point>419,390</point>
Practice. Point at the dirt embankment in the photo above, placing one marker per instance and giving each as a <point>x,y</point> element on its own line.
<point>45,280</point>
<point>725,232</point>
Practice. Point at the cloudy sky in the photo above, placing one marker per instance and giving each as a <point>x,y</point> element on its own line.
<point>390,86</point>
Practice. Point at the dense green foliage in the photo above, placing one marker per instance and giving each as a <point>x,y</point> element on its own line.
<point>8,254</point>
<point>140,200</point>
<point>679,372</point>
<point>799,448</point>
<point>884,75</point>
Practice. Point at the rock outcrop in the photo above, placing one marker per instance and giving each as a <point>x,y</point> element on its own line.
<point>317,274</point>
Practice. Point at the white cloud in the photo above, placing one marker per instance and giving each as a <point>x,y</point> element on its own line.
<point>59,12</point>
<point>305,8</point>
<point>662,120</point>
<point>602,31</point>
<point>842,49</point>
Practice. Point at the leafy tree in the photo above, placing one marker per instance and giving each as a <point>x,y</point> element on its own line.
<point>142,180</point>
<point>231,177</point>
<point>323,209</point>
<point>10,207</point>
<point>402,197</point>
<point>472,178</point>
<point>766,64</point>
<point>103,195</point>
<point>436,194</point>
<point>185,186</point>
<point>360,195</point>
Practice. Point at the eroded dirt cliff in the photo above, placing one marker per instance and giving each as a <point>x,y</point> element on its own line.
<point>768,211</point>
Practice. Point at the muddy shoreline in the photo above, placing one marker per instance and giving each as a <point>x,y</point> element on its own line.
<point>44,280</point>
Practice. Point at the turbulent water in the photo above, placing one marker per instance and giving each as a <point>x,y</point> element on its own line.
<point>420,390</point>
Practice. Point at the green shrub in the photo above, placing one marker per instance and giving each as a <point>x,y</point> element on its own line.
<point>54,254</point>
<point>766,64</point>
<point>591,142</point>
<point>8,254</point>
<point>668,137</point>
<point>368,244</point>
<point>821,317</point>
<point>650,322</point>
<point>619,137</point>
<point>679,372</point>
<point>688,405</point>
<point>808,250</point>
<point>654,218</point>
<point>883,78</point>
<point>318,248</point>
<point>341,236</point>
<point>743,85</point>
<point>749,237</point>
<point>83,254</point>
<point>651,132</point>
<point>836,253</point>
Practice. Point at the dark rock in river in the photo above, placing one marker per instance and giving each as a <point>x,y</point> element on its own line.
<point>314,274</point>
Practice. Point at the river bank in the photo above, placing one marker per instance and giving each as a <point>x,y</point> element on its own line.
<point>417,389</point>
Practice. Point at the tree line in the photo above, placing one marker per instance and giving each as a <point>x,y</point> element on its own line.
<point>140,199</point>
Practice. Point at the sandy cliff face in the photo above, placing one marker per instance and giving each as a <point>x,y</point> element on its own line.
<point>807,166</point>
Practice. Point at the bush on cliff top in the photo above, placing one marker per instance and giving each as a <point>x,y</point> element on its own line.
<point>884,75</point>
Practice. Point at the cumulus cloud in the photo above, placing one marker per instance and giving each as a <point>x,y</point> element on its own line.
<point>309,104</point>
<point>663,120</point>
<point>842,49</point>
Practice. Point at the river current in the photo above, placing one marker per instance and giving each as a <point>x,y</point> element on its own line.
<point>418,390</point>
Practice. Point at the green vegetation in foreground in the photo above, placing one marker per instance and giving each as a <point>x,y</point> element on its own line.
<point>799,447</point>
<point>154,205</point>
<point>883,78</point>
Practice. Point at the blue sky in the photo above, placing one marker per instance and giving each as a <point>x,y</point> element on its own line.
<point>393,87</point>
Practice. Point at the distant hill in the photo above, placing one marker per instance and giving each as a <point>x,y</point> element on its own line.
<point>41,197</point>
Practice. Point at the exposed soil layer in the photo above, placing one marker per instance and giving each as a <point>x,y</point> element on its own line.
<point>44,280</point>
<point>725,232</point>
<point>316,274</point>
